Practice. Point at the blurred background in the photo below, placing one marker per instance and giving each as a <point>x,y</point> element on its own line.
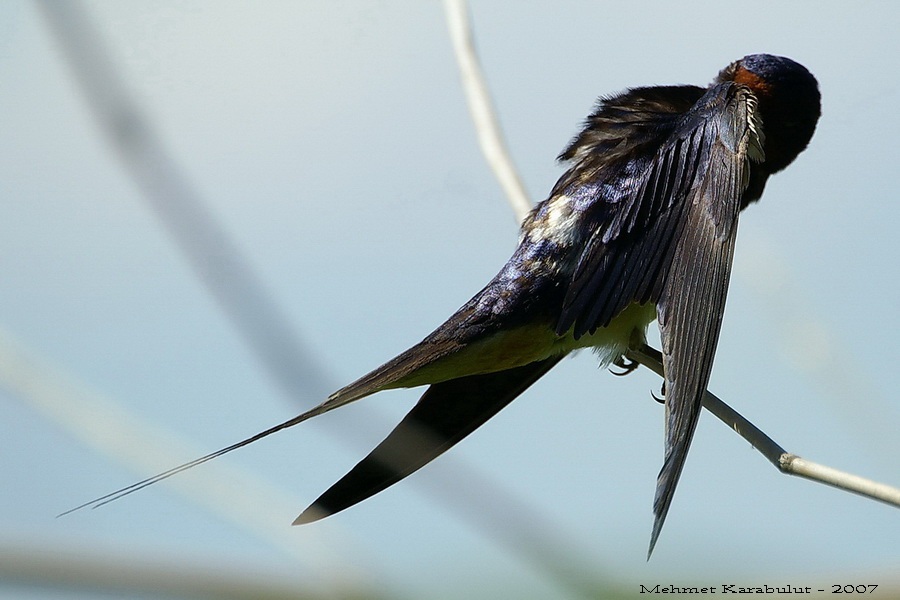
<point>328,146</point>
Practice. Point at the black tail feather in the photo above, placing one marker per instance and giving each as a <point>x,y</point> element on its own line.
<point>112,496</point>
<point>446,413</point>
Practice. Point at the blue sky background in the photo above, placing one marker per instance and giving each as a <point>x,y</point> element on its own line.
<point>332,142</point>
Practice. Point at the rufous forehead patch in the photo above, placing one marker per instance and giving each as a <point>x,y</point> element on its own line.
<point>753,81</point>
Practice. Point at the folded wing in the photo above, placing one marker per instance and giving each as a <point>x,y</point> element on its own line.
<point>670,242</point>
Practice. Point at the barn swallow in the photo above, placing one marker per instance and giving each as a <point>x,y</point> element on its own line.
<point>641,226</point>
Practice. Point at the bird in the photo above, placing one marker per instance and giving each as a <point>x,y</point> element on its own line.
<point>641,226</point>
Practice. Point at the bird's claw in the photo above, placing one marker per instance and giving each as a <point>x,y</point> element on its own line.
<point>662,394</point>
<point>625,364</point>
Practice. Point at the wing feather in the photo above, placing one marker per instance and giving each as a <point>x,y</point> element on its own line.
<point>623,263</point>
<point>692,301</point>
<point>668,238</point>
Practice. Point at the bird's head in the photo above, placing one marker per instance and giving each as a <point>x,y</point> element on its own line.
<point>789,103</point>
